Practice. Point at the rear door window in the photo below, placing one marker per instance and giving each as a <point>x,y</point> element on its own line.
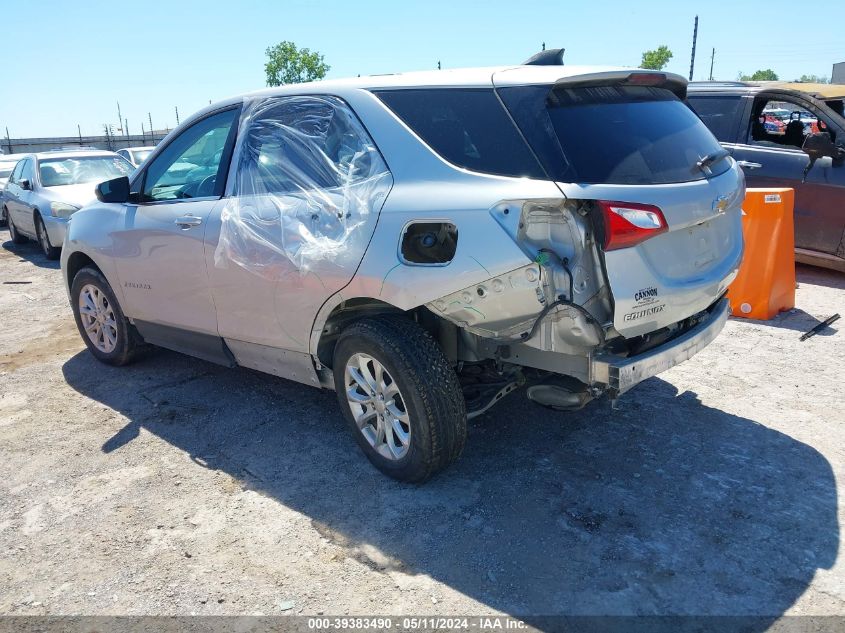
<point>467,127</point>
<point>719,113</point>
<point>631,135</point>
<point>305,143</point>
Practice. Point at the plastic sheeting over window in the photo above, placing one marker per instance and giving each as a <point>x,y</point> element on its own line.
<point>309,183</point>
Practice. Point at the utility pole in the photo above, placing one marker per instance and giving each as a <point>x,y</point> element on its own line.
<point>177,115</point>
<point>79,130</point>
<point>126,126</point>
<point>438,64</point>
<point>692,58</point>
<point>120,118</point>
<point>143,134</point>
<point>712,57</point>
<point>8,140</point>
<point>152,134</point>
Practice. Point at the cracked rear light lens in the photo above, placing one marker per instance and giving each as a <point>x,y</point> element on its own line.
<point>629,223</point>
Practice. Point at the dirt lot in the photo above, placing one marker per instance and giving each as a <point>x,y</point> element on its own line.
<point>174,486</point>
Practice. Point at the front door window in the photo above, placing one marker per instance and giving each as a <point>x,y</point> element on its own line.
<point>192,166</point>
<point>779,122</point>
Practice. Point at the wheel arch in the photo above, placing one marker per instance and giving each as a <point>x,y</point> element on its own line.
<point>339,315</point>
<point>76,261</point>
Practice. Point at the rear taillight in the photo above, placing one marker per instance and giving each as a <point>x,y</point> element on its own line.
<point>628,223</point>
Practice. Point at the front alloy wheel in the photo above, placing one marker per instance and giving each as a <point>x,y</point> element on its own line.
<point>50,251</point>
<point>98,320</point>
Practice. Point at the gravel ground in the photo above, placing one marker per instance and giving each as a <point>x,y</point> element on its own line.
<point>174,486</point>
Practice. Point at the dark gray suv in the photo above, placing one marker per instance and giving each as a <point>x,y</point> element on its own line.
<point>785,137</point>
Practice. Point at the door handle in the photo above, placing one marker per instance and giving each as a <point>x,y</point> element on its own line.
<point>748,164</point>
<point>187,221</point>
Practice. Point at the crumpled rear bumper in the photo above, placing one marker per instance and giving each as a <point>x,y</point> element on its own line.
<point>622,373</point>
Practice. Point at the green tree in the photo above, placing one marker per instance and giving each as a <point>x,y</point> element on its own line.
<point>656,59</point>
<point>287,64</point>
<point>812,79</point>
<point>760,75</point>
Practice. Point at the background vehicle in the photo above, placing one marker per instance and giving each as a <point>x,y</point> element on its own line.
<point>396,239</point>
<point>45,189</point>
<point>7,164</point>
<point>732,111</point>
<point>136,155</point>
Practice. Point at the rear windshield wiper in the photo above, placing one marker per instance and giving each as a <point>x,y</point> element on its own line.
<point>704,163</point>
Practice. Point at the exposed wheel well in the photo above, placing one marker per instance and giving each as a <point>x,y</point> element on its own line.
<point>352,310</point>
<point>76,262</point>
<point>342,316</point>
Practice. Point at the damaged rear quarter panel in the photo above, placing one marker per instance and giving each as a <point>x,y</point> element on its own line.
<point>484,248</point>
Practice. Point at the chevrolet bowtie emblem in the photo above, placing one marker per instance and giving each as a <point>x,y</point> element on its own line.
<point>720,204</point>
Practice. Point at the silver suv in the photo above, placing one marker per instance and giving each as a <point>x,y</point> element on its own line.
<point>423,243</point>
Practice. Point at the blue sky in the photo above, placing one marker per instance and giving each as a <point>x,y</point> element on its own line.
<point>69,62</point>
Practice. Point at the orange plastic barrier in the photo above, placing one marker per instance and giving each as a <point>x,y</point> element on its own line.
<point>765,284</point>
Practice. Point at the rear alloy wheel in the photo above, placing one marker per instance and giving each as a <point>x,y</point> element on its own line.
<point>99,319</point>
<point>400,396</point>
<point>377,406</point>
<point>50,251</point>
<point>17,238</point>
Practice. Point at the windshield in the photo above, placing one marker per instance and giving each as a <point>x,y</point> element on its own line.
<point>614,134</point>
<point>139,156</point>
<point>56,172</point>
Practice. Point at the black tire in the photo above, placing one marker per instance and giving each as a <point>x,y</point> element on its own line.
<point>429,387</point>
<point>17,238</point>
<point>127,340</point>
<point>50,251</point>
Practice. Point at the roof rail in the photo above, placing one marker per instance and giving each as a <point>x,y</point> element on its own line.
<point>550,57</point>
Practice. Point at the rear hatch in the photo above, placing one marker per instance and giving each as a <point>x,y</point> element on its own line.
<point>664,197</point>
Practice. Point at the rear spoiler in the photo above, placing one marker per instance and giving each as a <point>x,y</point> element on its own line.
<point>669,81</point>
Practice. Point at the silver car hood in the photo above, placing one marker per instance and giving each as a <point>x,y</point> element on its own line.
<point>77,195</point>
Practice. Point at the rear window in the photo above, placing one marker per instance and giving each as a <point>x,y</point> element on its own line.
<point>467,127</point>
<point>139,156</point>
<point>628,135</point>
<point>719,114</point>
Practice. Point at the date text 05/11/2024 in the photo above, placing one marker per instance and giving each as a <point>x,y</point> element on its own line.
<point>361,623</point>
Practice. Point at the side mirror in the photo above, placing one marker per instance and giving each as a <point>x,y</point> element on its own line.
<point>26,184</point>
<point>115,190</point>
<point>818,146</point>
